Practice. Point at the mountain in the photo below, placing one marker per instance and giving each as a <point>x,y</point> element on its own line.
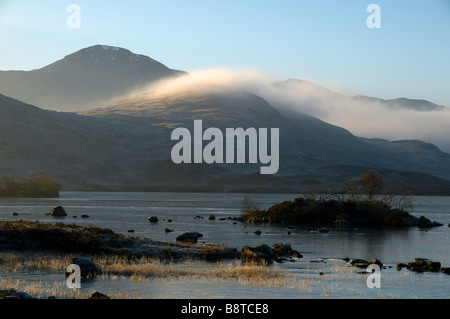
<point>126,144</point>
<point>85,79</point>
<point>313,153</point>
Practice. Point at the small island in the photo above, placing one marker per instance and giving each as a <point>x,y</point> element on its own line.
<point>361,203</point>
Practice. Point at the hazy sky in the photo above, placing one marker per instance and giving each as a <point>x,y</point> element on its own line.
<point>327,42</point>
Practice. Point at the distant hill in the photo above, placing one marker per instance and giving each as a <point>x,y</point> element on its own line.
<point>85,79</point>
<point>311,96</point>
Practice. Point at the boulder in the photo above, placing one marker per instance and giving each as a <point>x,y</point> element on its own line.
<point>261,254</point>
<point>400,218</point>
<point>189,237</point>
<point>285,250</point>
<point>424,264</point>
<point>211,217</point>
<point>153,219</point>
<point>23,295</point>
<point>99,295</point>
<point>376,261</point>
<point>58,212</point>
<point>445,270</point>
<point>424,222</point>
<point>14,294</point>
<point>87,267</point>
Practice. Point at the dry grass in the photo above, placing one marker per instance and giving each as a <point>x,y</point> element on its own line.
<point>138,269</point>
<point>56,289</point>
<point>317,282</point>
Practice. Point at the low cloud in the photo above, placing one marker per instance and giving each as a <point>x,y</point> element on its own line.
<point>370,118</point>
<point>365,117</point>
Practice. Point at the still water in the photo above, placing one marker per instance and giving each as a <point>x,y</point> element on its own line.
<point>322,252</point>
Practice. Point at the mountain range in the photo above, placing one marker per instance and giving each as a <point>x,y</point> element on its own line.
<point>90,121</point>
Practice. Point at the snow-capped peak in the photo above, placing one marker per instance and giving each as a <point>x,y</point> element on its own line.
<point>107,47</point>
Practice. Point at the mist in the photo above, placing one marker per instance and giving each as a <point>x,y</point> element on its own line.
<point>362,117</point>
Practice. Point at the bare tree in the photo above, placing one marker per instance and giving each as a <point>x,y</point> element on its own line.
<point>248,205</point>
<point>351,188</point>
<point>371,183</point>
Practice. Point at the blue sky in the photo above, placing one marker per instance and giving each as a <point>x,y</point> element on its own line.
<point>324,41</point>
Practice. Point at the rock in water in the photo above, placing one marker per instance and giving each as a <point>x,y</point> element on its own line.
<point>153,219</point>
<point>87,267</point>
<point>424,222</point>
<point>285,250</point>
<point>190,237</point>
<point>261,254</point>
<point>99,295</point>
<point>424,264</point>
<point>58,212</point>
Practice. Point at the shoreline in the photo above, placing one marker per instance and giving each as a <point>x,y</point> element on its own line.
<point>143,259</point>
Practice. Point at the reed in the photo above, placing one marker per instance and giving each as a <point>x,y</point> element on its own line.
<point>151,269</point>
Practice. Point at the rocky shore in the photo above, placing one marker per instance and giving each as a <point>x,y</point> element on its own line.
<point>35,236</point>
<point>40,237</point>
